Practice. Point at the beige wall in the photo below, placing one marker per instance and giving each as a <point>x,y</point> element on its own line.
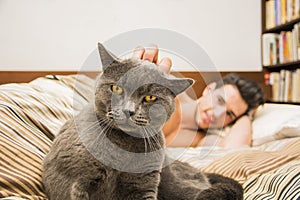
<point>60,34</point>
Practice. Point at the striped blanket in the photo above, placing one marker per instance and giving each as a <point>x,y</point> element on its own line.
<point>32,113</point>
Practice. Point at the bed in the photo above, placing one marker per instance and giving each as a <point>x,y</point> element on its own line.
<point>32,113</point>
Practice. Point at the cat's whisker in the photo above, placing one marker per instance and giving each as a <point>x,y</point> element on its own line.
<point>149,135</point>
<point>97,124</point>
<point>104,120</point>
<point>151,139</point>
<point>148,138</point>
<point>108,129</point>
<point>95,127</point>
<point>104,130</point>
<point>155,136</point>
<point>145,139</point>
<point>90,127</point>
<point>102,133</point>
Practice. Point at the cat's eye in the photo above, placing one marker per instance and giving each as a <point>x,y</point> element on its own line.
<point>150,98</point>
<point>116,89</point>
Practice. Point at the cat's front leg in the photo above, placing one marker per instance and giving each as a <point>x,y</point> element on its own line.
<point>132,186</point>
<point>221,188</point>
<point>79,191</point>
<point>85,189</point>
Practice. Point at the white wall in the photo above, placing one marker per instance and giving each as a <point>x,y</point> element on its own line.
<point>60,34</point>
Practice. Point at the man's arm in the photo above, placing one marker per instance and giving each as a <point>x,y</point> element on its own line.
<point>240,134</point>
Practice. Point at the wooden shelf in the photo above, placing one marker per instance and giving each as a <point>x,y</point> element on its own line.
<point>283,27</point>
<point>283,102</point>
<point>277,67</point>
<point>295,65</point>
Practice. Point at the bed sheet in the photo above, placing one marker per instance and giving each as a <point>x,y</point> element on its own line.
<point>32,113</point>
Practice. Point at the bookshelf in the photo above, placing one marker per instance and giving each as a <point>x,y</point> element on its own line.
<point>280,43</point>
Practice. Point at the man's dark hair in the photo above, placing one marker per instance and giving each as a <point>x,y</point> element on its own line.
<point>250,91</point>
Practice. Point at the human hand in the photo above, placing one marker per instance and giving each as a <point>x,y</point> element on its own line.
<point>151,54</point>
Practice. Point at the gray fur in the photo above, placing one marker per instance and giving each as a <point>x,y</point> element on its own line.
<point>114,148</point>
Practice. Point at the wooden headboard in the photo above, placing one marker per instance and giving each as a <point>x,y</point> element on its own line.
<point>201,78</point>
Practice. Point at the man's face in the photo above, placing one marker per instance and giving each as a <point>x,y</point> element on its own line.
<point>219,107</point>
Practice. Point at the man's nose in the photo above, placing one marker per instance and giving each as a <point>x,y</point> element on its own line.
<point>219,111</point>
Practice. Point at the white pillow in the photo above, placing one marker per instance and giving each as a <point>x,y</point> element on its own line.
<point>275,121</point>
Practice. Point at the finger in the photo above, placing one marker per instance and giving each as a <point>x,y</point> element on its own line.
<point>165,65</point>
<point>138,52</point>
<point>151,54</point>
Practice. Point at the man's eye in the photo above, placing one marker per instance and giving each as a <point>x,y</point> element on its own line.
<point>230,115</point>
<point>116,89</point>
<point>221,101</point>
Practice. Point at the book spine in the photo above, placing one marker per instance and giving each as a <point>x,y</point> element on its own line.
<point>297,8</point>
<point>289,10</point>
<point>267,78</point>
<point>270,14</point>
<point>281,49</point>
<point>281,85</point>
<point>274,81</point>
<point>285,47</point>
<point>270,48</point>
<point>287,86</point>
<point>283,11</point>
<point>297,85</point>
<point>294,42</point>
<point>290,86</point>
<point>290,46</point>
<point>277,12</point>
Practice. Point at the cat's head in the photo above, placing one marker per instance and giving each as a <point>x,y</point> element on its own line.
<point>132,94</point>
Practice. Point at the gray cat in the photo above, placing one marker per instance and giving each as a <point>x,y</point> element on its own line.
<point>114,148</point>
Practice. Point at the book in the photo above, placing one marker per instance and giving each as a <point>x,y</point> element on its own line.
<point>281,85</point>
<point>283,11</point>
<point>297,9</point>
<point>297,41</point>
<point>296,85</point>
<point>270,44</point>
<point>277,12</point>
<point>274,81</point>
<point>288,86</point>
<point>267,78</point>
<point>281,49</point>
<point>285,46</point>
<point>270,14</point>
<point>289,10</point>
<point>289,47</point>
<point>295,33</point>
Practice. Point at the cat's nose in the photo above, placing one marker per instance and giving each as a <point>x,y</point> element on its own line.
<point>129,109</point>
<point>128,113</point>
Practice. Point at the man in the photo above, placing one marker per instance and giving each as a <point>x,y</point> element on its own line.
<point>231,101</point>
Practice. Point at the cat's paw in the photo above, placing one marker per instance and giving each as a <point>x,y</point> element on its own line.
<point>77,192</point>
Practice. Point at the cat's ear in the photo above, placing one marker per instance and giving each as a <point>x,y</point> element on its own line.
<point>179,85</point>
<point>107,58</point>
